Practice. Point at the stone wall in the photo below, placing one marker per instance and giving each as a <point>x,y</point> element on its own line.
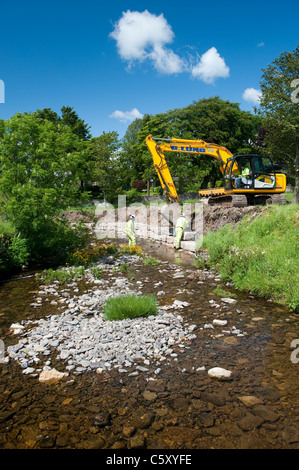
<point>151,222</point>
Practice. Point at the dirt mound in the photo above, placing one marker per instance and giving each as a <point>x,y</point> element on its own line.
<point>74,216</point>
<point>216,217</point>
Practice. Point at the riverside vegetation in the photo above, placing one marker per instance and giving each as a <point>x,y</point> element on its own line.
<point>260,255</point>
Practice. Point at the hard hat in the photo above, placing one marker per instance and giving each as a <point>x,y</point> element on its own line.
<point>132,216</point>
<point>183,214</point>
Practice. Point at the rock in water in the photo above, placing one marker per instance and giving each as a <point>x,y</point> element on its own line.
<point>219,373</point>
<point>52,375</point>
<point>228,300</point>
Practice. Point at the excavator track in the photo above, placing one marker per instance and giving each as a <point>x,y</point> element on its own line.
<point>233,200</point>
<point>277,199</point>
<point>241,200</point>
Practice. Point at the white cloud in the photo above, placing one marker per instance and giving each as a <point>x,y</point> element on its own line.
<point>125,116</point>
<point>210,67</point>
<point>261,44</point>
<point>142,35</point>
<point>252,95</point>
<point>166,61</point>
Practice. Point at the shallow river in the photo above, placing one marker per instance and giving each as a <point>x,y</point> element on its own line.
<point>183,408</point>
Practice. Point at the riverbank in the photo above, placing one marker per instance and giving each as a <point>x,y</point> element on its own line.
<point>255,247</point>
<point>154,222</point>
<point>260,255</point>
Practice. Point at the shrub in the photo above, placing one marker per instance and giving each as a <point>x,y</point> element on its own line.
<point>92,254</point>
<point>132,250</point>
<point>130,306</point>
<point>6,228</point>
<point>19,251</point>
<point>133,195</point>
<point>156,191</point>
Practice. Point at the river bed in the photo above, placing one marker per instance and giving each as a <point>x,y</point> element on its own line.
<point>171,403</point>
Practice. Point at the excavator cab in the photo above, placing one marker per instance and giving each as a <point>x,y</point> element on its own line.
<point>249,172</point>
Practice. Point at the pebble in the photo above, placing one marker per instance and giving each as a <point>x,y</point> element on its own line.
<point>228,300</point>
<point>220,322</point>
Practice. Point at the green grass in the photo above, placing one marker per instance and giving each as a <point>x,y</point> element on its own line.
<point>62,275</point>
<point>124,267</point>
<point>261,256</point>
<point>96,271</point>
<point>82,208</point>
<point>222,292</point>
<point>151,261</point>
<point>289,196</point>
<point>130,306</point>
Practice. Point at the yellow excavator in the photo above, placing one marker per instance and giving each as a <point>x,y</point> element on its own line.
<point>247,179</point>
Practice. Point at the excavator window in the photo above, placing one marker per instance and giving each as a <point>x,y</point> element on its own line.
<point>264,176</point>
<point>249,172</point>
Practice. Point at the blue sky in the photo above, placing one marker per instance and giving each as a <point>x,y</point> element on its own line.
<point>114,61</point>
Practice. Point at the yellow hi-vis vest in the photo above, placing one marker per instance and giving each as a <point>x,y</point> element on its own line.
<point>245,172</point>
<point>130,228</point>
<point>181,223</point>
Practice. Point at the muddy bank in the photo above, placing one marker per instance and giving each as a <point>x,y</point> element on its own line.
<point>174,403</point>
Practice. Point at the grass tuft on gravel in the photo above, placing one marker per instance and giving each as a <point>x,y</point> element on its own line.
<point>130,306</point>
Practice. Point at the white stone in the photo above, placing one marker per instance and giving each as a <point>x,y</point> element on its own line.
<point>220,322</point>
<point>46,375</point>
<point>17,328</point>
<point>228,300</point>
<point>219,373</point>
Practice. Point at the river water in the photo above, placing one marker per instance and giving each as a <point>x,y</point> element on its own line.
<point>183,407</point>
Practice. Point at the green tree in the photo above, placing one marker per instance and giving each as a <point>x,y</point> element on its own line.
<point>41,166</point>
<point>129,164</point>
<point>78,127</point>
<point>48,114</point>
<point>104,153</point>
<point>69,117</point>
<point>280,107</point>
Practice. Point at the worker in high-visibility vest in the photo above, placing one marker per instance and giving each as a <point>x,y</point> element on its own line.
<point>181,224</point>
<point>245,173</point>
<point>130,230</point>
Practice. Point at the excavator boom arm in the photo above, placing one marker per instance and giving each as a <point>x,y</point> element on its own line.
<point>157,147</point>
